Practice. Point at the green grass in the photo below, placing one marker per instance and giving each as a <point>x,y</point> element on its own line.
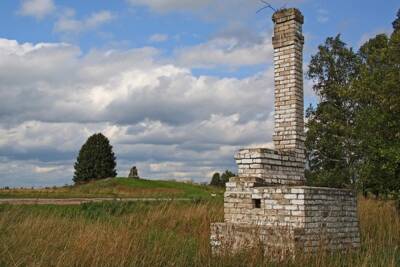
<point>166,233</point>
<point>120,188</point>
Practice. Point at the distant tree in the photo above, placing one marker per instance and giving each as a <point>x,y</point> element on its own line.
<point>215,180</point>
<point>221,180</point>
<point>96,160</point>
<point>225,177</point>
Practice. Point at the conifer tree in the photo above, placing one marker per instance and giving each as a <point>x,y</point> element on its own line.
<point>96,160</point>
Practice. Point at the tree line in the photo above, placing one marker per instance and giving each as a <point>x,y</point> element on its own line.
<point>353,133</point>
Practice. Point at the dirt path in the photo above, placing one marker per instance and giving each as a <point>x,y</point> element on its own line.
<point>75,201</point>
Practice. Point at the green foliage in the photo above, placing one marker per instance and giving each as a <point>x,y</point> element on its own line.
<point>225,176</point>
<point>353,134</point>
<point>396,23</point>
<point>377,124</point>
<point>96,160</point>
<point>215,180</point>
<point>221,180</point>
<point>330,139</point>
<point>107,209</point>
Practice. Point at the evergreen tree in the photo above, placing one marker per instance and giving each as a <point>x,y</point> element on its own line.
<point>96,160</point>
<point>215,180</point>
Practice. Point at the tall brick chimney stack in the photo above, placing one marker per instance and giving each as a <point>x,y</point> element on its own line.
<point>268,203</point>
<point>288,43</point>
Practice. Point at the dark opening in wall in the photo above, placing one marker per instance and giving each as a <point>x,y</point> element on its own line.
<point>257,203</point>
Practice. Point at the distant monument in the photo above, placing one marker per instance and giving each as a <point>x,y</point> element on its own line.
<point>133,173</point>
<point>268,203</point>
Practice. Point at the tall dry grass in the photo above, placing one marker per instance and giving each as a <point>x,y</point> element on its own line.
<point>164,234</point>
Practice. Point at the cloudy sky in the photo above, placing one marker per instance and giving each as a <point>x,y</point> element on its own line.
<point>176,85</point>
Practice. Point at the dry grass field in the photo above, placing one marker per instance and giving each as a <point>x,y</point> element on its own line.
<point>164,234</point>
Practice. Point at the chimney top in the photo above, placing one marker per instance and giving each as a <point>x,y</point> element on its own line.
<point>286,14</point>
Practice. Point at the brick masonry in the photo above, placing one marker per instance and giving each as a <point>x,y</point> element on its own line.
<point>305,216</point>
<point>288,43</point>
<point>268,204</point>
<point>273,167</point>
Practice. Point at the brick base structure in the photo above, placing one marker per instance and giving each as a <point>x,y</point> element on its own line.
<point>286,218</point>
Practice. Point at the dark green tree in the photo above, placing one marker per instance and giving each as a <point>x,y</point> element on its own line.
<point>225,177</point>
<point>96,160</point>
<point>377,123</point>
<point>221,180</point>
<point>396,22</point>
<point>354,132</point>
<point>330,141</point>
<point>215,180</point>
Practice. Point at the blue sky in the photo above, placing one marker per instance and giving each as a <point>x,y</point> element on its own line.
<point>176,85</point>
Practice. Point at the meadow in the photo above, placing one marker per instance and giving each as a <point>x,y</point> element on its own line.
<point>118,188</point>
<point>165,233</point>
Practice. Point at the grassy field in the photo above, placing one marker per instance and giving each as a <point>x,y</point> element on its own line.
<point>119,188</point>
<point>164,234</point>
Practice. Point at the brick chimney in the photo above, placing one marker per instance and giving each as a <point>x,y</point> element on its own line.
<point>288,43</point>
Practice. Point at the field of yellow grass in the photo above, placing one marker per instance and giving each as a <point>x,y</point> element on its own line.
<point>164,234</point>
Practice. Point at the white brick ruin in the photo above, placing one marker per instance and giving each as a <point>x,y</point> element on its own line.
<point>268,203</point>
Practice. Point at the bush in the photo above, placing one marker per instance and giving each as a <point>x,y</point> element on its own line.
<point>95,161</point>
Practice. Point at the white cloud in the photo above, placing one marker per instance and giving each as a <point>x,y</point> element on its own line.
<point>322,15</point>
<point>98,18</point>
<point>210,9</point>
<point>169,5</point>
<point>366,36</point>
<point>227,51</point>
<point>154,112</point>
<point>39,169</point>
<point>36,8</point>
<point>158,38</point>
<point>67,23</point>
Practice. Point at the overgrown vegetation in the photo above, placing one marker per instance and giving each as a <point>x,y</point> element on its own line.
<point>120,188</point>
<point>353,137</point>
<point>165,234</point>
<point>96,160</point>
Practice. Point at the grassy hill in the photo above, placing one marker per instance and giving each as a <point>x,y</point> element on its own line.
<point>120,188</point>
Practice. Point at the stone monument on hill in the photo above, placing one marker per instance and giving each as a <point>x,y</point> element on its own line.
<point>133,173</point>
<point>268,202</point>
